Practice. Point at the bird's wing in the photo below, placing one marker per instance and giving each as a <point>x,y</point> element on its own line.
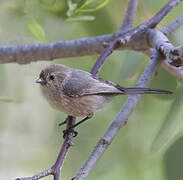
<point>81,83</point>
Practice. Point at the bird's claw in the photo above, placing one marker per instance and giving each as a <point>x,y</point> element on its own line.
<point>70,131</point>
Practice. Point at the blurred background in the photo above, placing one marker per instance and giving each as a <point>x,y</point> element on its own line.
<point>149,147</point>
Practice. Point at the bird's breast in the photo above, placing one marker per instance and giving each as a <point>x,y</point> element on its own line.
<point>76,106</point>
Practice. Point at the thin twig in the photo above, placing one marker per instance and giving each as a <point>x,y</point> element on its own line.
<point>120,119</point>
<point>177,72</point>
<point>140,30</point>
<point>151,23</point>
<point>135,32</point>
<point>100,61</point>
<point>55,170</point>
<point>129,16</point>
<point>163,12</point>
<point>126,25</point>
<point>173,26</point>
<point>57,167</point>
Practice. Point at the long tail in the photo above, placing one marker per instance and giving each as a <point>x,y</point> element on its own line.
<point>139,90</point>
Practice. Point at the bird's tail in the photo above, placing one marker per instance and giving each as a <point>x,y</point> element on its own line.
<point>136,90</point>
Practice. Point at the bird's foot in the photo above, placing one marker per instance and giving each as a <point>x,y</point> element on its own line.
<point>70,131</point>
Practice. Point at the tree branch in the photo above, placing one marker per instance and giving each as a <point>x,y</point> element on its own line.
<point>177,72</point>
<point>86,46</point>
<point>129,16</point>
<point>173,54</point>
<point>139,32</point>
<point>120,119</point>
<point>176,56</point>
<point>55,170</point>
<point>69,48</point>
<point>151,23</point>
<point>173,26</point>
<point>158,40</point>
<point>163,12</point>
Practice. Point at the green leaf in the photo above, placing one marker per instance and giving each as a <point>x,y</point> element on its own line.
<point>81,18</point>
<point>87,6</point>
<point>95,8</point>
<point>36,29</point>
<point>72,7</point>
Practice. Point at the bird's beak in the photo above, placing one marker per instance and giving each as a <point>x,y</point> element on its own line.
<point>41,81</point>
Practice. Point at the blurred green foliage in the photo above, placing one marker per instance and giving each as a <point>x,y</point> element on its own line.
<point>29,134</point>
<point>36,29</point>
<point>84,6</point>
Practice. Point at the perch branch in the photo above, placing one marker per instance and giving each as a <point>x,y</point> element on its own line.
<point>55,170</point>
<point>120,119</point>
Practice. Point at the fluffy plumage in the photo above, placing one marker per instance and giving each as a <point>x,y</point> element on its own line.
<point>79,93</point>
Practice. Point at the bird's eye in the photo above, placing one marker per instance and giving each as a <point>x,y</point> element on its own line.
<point>51,77</point>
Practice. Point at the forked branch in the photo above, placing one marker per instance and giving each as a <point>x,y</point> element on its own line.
<point>120,119</point>
<point>55,170</point>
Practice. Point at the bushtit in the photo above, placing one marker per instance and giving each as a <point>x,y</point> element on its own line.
<point>79,93</point>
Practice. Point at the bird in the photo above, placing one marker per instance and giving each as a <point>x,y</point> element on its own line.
<point>79,93</point>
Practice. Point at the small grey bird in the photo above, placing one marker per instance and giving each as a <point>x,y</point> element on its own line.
<point>79,93</point>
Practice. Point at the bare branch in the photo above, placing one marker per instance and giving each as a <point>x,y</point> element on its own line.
<point>158,40</point>
<point>177,72</point>
<point>100,61</point>
<point>176,56</point>
<point>173,26</point>
<point>69,48</point>
<point>139,32</point>
<point>55,170</point>
<point>120,119</point>
<point>152,22</point>
<point>129,16</point>
<point>128,39</point>
<point>163,12</point>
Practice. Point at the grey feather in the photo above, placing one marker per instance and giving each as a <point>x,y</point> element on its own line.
<point>81,83</point>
